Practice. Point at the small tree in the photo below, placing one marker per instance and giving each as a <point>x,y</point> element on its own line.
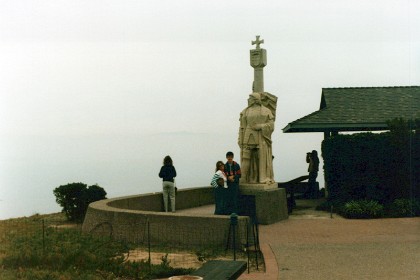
<point>75,199</point>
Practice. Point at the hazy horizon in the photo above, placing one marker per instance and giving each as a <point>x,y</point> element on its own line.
<point>129,168</point>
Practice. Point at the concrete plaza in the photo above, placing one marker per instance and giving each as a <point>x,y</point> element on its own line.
<point>312,245</point>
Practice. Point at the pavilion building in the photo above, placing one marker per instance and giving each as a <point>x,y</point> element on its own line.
<point>359,109</point>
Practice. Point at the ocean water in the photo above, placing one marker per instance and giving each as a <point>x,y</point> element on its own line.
<point>31,167</point>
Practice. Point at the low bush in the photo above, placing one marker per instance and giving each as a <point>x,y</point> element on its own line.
<point>367,209</point>
<point>404,208</point>
<point>362,209</point>
<point>75,199</point>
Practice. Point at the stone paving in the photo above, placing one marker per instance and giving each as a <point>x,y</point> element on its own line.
<point>312,245</point>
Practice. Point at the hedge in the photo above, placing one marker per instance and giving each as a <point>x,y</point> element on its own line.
<point>373,166</point>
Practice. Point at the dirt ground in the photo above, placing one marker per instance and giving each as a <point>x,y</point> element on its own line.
<point>181,259</point>
<point>187,259</point>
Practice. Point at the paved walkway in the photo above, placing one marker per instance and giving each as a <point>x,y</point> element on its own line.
<point>312,245</point>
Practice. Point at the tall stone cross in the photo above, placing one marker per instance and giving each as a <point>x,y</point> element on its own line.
<point>258,59</point>
<point>257,42</point>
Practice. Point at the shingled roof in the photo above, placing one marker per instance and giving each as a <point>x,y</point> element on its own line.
<point>360,109</point>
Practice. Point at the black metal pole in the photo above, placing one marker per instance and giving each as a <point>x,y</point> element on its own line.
<point>247,244</point>
<point>43,237</point>
<point>148,244</point>
<point>234,244</point>
<point>256,246</point>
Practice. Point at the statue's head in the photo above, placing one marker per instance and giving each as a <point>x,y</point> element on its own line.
<point>254,98</point>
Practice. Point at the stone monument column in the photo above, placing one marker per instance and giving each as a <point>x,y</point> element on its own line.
<point>260,195</point>
<point>258,59</point>
<point>256,127</point>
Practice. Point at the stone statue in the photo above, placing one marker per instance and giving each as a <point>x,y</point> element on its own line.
<point>256,127</point>
<point>255,131</point>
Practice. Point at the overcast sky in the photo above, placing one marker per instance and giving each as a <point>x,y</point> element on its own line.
<point>125,69</point>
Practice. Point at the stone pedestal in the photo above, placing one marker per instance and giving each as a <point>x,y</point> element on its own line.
<point>245,187</point>
<point>266,202</point>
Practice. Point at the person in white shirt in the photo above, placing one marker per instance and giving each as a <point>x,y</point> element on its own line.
<point>219,182</point>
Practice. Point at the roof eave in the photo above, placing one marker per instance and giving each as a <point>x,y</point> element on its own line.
<point>328,127</point>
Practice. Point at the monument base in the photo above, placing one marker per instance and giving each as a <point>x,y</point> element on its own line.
<point>265,202</point>
<point>245,187</point>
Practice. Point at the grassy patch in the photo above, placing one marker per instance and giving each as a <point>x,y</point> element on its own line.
<point>38,247</point>
<point>49,247</point>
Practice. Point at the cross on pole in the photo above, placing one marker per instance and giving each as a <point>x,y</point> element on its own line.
<point>257,42</point>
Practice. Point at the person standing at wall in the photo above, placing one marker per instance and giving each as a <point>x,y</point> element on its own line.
<point>313,160</point>
<point>218,182</point>
<point>233,173</point>
<point>168,173</point>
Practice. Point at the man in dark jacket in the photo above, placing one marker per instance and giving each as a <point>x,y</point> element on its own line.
<point>233,173</point>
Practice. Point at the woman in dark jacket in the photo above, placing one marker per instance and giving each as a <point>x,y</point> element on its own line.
<point>168,173</point>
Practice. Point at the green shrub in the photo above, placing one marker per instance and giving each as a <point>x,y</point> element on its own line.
<point>362,209</point>
<point>374,166</point>
<point>404,208</point>
<point>75,199</point>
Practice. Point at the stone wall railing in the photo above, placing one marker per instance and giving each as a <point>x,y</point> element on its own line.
<point>139,218</point>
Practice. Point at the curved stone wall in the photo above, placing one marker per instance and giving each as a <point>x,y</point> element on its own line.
<point>140,218</point>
